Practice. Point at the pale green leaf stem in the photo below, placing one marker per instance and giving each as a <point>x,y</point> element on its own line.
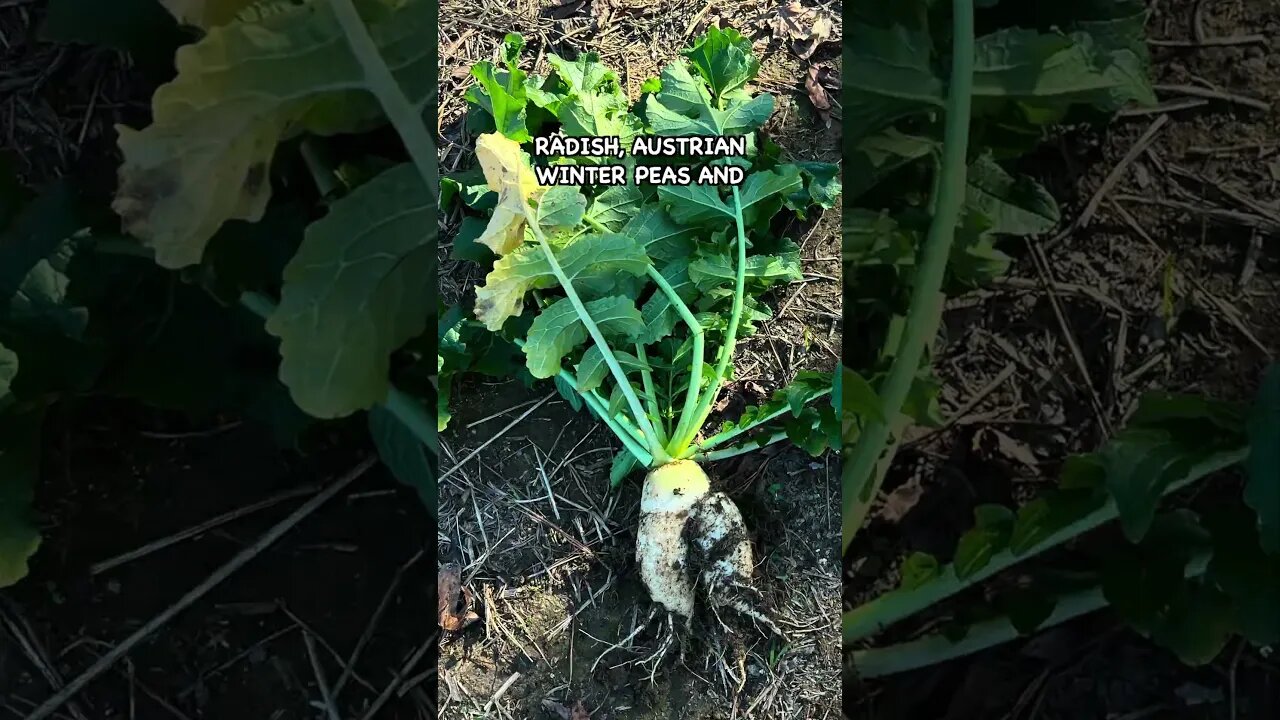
<point>859,490</point>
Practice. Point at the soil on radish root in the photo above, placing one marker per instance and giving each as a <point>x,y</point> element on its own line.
<point>1154,298</point>
<point>564,617</point>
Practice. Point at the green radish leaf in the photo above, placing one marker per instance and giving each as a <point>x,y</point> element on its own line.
<point>354,293</point>
<point>989,535</point>
<point>821,186</point>
<point>240,90</point>
<point>1262,490</point>
<point>710,100</point>
<point>859,398</point>
<point>527,268</point>
<point>405,455</point>
<point>1017,205</point>
<point>560,206</point>
<point>591,100</point>
<point>616,206</point>
<point>558,330</point>
<point>569,393</point>
<point>19,468</point>
<point>724,60</point>
<point>762,271</point>
<point>695,205</point>
<point>503,94</point>
<point>763,193</point>
<point>918,569</point>
<point>1246,573</point>
<point>1198,627</point>
<point>465,246</point>
<point>662,238</point>
<point>877,156</point>
<point>1033,66</point>
<point>624,463</point>
<point>660,315</point>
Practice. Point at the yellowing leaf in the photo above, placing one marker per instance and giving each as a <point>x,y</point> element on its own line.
<point>507,172</point>
<point>239,91</point>
<point>527,268</point>
<point>204,13</point>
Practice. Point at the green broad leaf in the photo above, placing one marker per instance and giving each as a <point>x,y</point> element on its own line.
<point>1199,626</point>
<point>568,392</point>
<point>1139,465</point>
<point>889,74</point>
<point>503,94</point>
<point>1262,467</point>
<point>469,186</point>
<point>1046,515</point>
<point>1246,573</point>
<point>762,193</point>
<point>239,91</point>
<point>593,102</point>
<point>792,399</point>
<point>990,534</point>
<point>39,228</point>
<point>1016,205</point>
<point>19,469</point>
<point>858,398</point>
<point>404,455</point>
<point>685,106</point>
<point>724,60</point>
<point>918,569</point>
<point>662,238</point>
<point>42,297</point>
<point>560,207</point>
<point>659,313</point>
<point>762,271</point>
<point>624,463</point>
<point>465,246</point>
<point>355,292</point>
<point>821,186</point>
<point>974,259</point>
<point>558,330</point>
<point>616,206</point>
<point>695,205</point>
<point>527,268</point>
<point>592,370</point>
<point>877,156</point>
<point>1027,64</point>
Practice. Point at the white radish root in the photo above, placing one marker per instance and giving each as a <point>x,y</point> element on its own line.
<point>690,537</point>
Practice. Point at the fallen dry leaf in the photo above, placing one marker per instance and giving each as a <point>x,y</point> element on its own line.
<point>816,84</point>
<point>562,9</point>
<point>805,27</point>
<point>1008,447</point>
<point>579,711</point>
<point>454,603</point>
<point>900,502</point>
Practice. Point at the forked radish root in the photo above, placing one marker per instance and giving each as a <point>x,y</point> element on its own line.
<point>692,538</point>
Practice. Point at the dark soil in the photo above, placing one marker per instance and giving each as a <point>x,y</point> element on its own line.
<point>110,485</point>
<point>1006,349</point>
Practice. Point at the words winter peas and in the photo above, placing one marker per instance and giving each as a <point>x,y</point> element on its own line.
<point>643,146</point>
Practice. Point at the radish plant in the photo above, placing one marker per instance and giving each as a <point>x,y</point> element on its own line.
<point>633,296</point>
<point>932,194</point>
